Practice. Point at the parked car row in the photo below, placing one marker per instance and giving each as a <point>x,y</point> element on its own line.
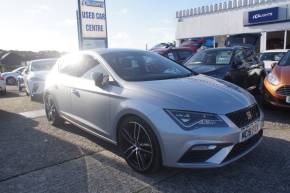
<point>142,102</point>
<point>11,77</point>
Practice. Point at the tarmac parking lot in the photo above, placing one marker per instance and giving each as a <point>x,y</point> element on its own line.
<point>36,157</point>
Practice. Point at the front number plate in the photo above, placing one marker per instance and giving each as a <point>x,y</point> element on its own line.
<point>249,131</point>
<point>288,99</point>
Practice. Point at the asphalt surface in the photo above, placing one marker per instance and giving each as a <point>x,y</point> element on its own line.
<point>36,157</point>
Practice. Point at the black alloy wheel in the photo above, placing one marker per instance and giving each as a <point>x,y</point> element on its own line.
<point>51,111</point>
<point>139,145</point>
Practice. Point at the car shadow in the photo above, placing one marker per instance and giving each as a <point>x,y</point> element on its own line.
<point>274,114</point>
<point>39,158</point>
<point>266,169</point>
<point>9,94</point>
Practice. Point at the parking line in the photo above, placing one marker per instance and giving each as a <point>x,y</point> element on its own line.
<point>33,114</point>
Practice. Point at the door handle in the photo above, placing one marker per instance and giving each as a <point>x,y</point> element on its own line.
<point>75,92</point>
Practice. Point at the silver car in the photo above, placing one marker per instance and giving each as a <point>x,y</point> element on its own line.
<point>157,111</point>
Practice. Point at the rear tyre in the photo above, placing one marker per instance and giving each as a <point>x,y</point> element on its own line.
<point>139,145</point>
<point>51,111</point>
<point>3,92</point>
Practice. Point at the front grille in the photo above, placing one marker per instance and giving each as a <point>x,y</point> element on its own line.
<point>284,90</point>
<point>244,146</point>
<point>245,116</point>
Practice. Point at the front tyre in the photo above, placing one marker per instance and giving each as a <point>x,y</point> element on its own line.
<point>139,145</point>
<point>51,111</point>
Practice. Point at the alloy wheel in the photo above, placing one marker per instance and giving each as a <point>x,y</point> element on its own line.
<point>137,146</point>
<point>50,109</point>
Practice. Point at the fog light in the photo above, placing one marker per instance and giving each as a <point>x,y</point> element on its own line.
<point>203,147</point>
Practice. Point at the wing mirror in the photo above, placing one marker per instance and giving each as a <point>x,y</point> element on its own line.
<point>273,65</point>
<point>237,64</point>
<point>100,79</point>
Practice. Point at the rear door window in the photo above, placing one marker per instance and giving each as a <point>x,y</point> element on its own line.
<point>77,65</point>
<point>171,56</point>
<point>184,54</point>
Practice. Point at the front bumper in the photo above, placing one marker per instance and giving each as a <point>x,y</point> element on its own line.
<point>36,88</point>
<point>271,96</point>
<point>178,145</point>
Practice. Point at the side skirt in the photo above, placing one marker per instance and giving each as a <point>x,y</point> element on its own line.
<point>86,128</point>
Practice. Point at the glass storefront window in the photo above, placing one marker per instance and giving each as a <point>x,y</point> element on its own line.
<point>275,40</point>
<point>288,40</point>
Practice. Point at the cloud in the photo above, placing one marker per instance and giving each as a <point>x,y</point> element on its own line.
<point>34,12</point>
<point>166,21</point>
<point>123,11</point>
<point>70,22</point>
<point>124,40</point>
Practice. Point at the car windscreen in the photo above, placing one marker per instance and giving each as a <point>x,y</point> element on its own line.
<point>42,65</point>
<point>144,66</point>
<point>210,57</point>
<point>272,56</point>
<point>285,61</point>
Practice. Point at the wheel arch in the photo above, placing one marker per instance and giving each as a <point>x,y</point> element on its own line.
<point>144,117</point>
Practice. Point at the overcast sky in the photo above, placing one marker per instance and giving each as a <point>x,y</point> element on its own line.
<point>51,24</point>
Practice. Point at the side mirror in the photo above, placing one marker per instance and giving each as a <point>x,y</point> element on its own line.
<point>273,65</point>
<point>100,79</point>
<point>237,64</point>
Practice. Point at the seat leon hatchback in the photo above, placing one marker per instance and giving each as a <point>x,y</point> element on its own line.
<point>156,111</point>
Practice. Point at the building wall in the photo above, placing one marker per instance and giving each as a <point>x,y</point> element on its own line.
<point>224,20</point>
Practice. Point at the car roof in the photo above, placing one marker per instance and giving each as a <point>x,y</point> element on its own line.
<point>113,50</point>
<point>172,48</point>
<point>40,60</point>
<point>274,51</point>
<point>225,49</point>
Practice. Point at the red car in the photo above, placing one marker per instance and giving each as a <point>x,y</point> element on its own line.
<point>179,55</point>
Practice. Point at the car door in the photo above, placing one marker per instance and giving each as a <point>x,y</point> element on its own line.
<point>255,69</point>
<point>65,79</point>
<point>239,69</point>
<point>90,103</point>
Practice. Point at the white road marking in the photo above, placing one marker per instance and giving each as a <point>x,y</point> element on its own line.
<point>33,114</point>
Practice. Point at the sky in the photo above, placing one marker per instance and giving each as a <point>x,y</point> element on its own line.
<point>51,24</point>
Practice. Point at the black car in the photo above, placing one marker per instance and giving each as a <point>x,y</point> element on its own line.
<point>239,65</point>
<point>179,55</point>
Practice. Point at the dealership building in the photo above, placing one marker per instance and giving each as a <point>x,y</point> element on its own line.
<point>268,18</point>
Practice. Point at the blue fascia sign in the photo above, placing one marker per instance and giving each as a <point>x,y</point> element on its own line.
<point>263,15</point>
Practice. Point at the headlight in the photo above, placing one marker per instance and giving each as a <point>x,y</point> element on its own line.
<point>273,79</point>
<point>194,120</point>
